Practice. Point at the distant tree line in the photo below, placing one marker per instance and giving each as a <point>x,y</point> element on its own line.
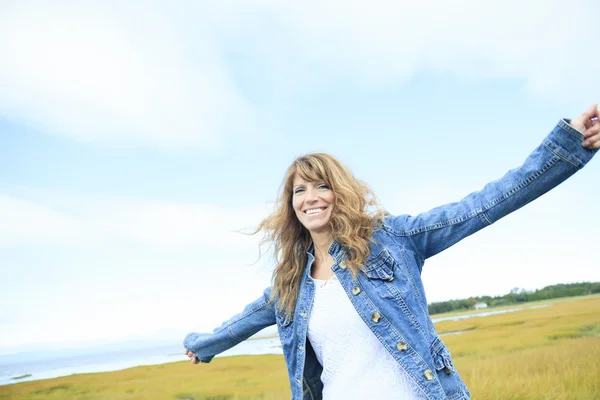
<point>517,296</point>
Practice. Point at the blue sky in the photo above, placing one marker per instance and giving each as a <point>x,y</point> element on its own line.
<point>137,141</point>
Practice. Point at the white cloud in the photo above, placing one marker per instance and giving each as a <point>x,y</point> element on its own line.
<point>380,42</point>
<point>186,225</point>
<point>160,225</point>
<point>88,74</point>
<point>24,221</point>
<point>141,268</point>
<point>164,74</point>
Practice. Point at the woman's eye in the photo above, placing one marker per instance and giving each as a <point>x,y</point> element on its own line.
<point>323,186</point>
<point>299,190</point>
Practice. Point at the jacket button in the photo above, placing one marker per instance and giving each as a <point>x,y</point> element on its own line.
<point>447,370</point>
<point>428,374</point>
<point>402,346</point>
<point>355,290</point>
<point>376,317</point>
<point>343,265</point>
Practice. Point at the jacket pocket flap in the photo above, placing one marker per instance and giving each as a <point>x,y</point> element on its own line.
<point>380,267</point>
<point>441,356</point>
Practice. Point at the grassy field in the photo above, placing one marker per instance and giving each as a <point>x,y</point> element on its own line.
<point>548,353</point>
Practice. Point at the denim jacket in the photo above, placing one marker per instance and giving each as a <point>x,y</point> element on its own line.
<point>388,294</point>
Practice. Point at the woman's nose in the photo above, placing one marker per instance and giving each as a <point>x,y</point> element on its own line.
<point>311,195</point>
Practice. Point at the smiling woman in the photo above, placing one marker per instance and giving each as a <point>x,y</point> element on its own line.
<point>347,294</point>
<point>313,203</point>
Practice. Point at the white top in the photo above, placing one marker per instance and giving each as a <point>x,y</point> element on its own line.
<point>355,363</point>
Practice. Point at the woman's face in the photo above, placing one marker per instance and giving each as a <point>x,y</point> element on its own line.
<point>313,204</point>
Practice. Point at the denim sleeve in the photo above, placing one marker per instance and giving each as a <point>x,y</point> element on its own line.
<point>560,155</point>
<point>257,315</point>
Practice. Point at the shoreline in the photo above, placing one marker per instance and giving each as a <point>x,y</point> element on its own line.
<point>119,361</point>
<point>165,365</point>
<point>263,345</point>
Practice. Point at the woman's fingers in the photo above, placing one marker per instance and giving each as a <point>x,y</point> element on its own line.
<point>593,129</point>
<point>592,142</point>
<point>591,112</point>
<point>192,356</point>
<point>592,135</point>
<point>584,121</point>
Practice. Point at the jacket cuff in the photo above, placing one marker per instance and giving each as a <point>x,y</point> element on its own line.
<point>566,142</point>
<point>189,341</point>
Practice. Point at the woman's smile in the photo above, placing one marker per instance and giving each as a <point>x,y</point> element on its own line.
<point>314,211</point>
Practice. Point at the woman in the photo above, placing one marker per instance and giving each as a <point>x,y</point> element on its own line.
<point>347,296</point>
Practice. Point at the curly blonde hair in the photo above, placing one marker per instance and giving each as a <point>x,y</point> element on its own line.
<point>355,215</point>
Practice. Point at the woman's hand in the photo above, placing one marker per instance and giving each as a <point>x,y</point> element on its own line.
<point>192,357</point>
<point>587,123</point>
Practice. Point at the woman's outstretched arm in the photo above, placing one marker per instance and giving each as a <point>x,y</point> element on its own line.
<point>569,146</point>
<point>202,347</point>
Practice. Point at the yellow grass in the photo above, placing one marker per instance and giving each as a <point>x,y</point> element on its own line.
<point>231,378</point>
<point>546,353</point>
<point>550,353</point>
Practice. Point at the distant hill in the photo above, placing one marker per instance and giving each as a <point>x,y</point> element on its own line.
<point>517,296</point>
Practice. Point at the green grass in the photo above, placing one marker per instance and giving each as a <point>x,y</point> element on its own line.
<point>547,353</point>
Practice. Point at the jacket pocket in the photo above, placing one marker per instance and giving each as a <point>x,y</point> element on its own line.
<point>379,272</point>
<point>381,267</point>
<point>443,362</point>
<point>447,374</point>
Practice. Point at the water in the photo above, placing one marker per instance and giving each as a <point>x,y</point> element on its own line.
<point>80,361</point>
<point>486,313</point>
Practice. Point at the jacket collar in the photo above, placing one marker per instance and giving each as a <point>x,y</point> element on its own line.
<point>336,250</point>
